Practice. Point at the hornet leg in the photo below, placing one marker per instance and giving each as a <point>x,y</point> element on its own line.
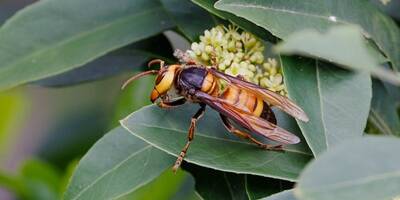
<point>195,117</point>
<point>228,125</point>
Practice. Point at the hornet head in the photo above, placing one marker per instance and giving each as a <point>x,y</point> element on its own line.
<point>166,76</point>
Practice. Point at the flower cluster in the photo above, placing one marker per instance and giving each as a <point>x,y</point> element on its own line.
<point>237,53</point>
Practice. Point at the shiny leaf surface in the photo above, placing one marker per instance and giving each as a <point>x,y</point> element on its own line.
<point>336,101</point>
<point>116,165</point>
<point>213,146</point>
<point>363,169</point>
<point>64,35</point>
<point>283,18</point>
<point>343,45</point>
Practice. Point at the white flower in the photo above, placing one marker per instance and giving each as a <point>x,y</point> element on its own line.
<point>238,53</point>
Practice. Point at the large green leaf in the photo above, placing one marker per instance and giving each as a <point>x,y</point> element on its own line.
<point>130,58</point>
<point>51,37</point>
<point>189,18</point>
<point>383,113</point>
<point>362,169</point>
<point>213,146</point>
<point>225,185</point>
<point>283,18</point>
<point>242,23</point>
<point>116,165</point>
<point>343,45</point>
<point>336,101</point>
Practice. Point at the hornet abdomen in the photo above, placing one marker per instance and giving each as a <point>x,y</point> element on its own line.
<point>248,102</point>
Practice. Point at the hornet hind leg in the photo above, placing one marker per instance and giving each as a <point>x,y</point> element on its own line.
<point>192,128</point>
<point>229,126</point>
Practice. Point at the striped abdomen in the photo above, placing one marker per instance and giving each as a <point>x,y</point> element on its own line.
<point>233,95</point>
<point>243,100</point>
<point>248,102</point>
<point>239,98</point>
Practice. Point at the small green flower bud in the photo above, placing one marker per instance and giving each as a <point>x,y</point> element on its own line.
<point>205,57</point>
<point>222,66</point>
<point>239,55</point>
<point>243,65</point>
<point>232,46</point>
<point>239,45</point>
<point>207,33</point>
<point>252,67</point>
<point>208,49</point>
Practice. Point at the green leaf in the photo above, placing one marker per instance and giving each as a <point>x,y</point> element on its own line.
<point>213,146</point>
<point>383,113</point>
<point>283,18</point>
<point>336,101</point>
<point>363,169</point>
<point>165,186</point>
<point>67,34</point>
<point>343,45</point>
<point>189,18</point>
<point>285,195</point>
<point>129,58</point>
<point>225,185</point>
<point>116,165</point>
<point>66,177</point>
<point>241,22</point>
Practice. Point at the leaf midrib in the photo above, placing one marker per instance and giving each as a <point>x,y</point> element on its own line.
<point>77,37</point>
<point>321,103</point>
<point>293,12</point>
<point>117,165</point>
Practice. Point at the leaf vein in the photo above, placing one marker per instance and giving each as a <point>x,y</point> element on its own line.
<point>321,102</point>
